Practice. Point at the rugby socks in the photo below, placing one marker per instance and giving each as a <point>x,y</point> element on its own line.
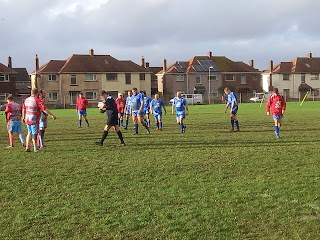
<point>87,122</point>
<point>181,127</point>
<point>276,130</point>
<point>237,124</point>
<point>136,128</point>
<point>232,123</point>
<point>41,138</point>
<point>80,123</point>
<point>104,136</point>
<point>121,122</point>
<point>148,122</point>
<point>120,137</point>
<point>160,124</point>
<point>127,123</point>
<point>21,138</point>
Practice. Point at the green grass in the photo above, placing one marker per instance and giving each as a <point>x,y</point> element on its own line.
<point>205,184</point>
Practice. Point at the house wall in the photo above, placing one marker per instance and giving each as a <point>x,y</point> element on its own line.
<point>8,88</point>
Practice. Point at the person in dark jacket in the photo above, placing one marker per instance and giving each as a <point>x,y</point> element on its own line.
<point>110,108</point>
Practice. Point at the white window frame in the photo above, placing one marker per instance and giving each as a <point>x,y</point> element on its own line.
<point>5,77</point>
<point>94,94</point>
<point>92,78</point>
<point>50,77</point>
<point>198,77</point>
<point>243,79</point>
<point>284,78</point>
<point>142,76</point>
<point>75,77</point>
<point>3,97</point>
<point>233,77</point>
<point>115,75</point>
<point>51,97</point>
<point>254,77</point>
<point>213,77</point>
<point>314,76</point>
<point>180,78</point>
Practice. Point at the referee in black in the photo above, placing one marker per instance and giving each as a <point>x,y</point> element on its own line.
<point>112,121</point>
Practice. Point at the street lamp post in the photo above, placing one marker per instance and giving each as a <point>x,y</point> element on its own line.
<point>209,90</point>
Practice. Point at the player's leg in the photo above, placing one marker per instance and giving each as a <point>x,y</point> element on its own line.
<point>127,121</point>
<point>85,117</point>
<point>148,119</point>
<point>10,133</point>
<point>19,131</point>
<point>79,119</point>
<point>156,119</point>
<point>117,129</point>
<point>104,135</point>
<point>236,122</point>
<point>232,122</point>
<point>276,126</point>
<point>159,120</point>
<point>28,138</point>
<point>34,136</point>
<point>143,122</point>
<point>135,122</point>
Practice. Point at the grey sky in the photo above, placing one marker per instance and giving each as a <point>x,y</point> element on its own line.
<point>176,30</point>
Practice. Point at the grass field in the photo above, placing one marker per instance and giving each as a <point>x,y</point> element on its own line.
<point>205,184</point>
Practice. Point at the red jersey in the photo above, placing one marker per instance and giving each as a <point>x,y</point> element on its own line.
<point>82,103</point>
<point>13,111</point>
<point>277,104</point>
<point>121,103</point>
<point>32,107</point>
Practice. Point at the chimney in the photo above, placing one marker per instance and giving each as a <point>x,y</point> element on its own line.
<point>309,55</point>
<point>147,64</point>
<point>142,62</point>
<point>9,62</point>
<point>270,80</point>
<point>164,65</point>
<point>251,63</point>
<point>37,62</point>
<point>210,54</point>
<point>91,52</point>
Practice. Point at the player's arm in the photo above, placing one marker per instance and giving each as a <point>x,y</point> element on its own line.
<point>141,105</point>
<point>7,111</point>
<point>186,107</point>
<point>268,106</point>
<point>172,109</point>
<point>164,108</point>
<point>45,110</point>
<point>284,105</point>
<point>227,106</point>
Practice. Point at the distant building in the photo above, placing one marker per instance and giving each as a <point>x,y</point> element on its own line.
<point>90,74</point>
<point>192,76</point>
<point>154,78</point>
<point>294,78</point>
<point>7,82</point>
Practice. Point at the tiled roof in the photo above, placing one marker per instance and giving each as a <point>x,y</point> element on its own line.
<point>90,64</point>
<point>22,75</point>
<point>297,65</point>
<point>5,69</point>
<point>221,64</point>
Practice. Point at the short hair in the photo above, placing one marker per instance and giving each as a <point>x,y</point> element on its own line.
<point>104,92</point>
<point>226,89</point>
<point>276,90</point>
<point>80,93</point>
<point>136,89</point>
<point>34,91</point>
<point>10,97</point>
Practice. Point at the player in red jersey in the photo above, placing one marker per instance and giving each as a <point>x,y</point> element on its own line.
<point>277,104</point>
<point>13,118</point>
<point>31,113</point>
<point>121,104</point>
<point>81,107</point>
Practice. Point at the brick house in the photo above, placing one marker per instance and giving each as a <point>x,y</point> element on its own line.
<point>90,74</point>
<point>193,76</point>
<point>7,82</point>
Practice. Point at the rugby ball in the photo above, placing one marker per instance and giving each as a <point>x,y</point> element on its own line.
<point>101,105</point>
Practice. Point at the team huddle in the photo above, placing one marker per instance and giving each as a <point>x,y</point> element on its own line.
<point>138,105</point>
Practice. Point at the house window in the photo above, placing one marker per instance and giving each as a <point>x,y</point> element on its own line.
<point>213,77</point>
<point>52,77</point>
<point>286,93</point>
<point>243,79</point>
<point>229,77</point>
<point>73,79</point>
<point>314,76</point>
<point>53,96</point>
<point>254,77</point>
<point>198,79</point>
<point>315,92</point>
<point>215,94</point>
<point>91,95</point>
<point>90,77</point>
<point>3,97</point>
<point>285,77</point>
<point>4,78</point>
<point>180,78</point>
<point>142,76</point>
<point>112,77</point>
<point>303,78</point>
<point>128,78</point>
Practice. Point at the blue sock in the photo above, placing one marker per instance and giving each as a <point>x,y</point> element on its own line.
<point>160,124</point>
<point>232,123</point>
<point>80,123</point>
<point>276,129</point>
<point>127,123</point>
<point>136,128</point>
<point>237,123</point>
<point>181,127</point>
<point>121,122</point>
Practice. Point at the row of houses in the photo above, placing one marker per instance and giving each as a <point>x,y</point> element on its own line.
<point>207,75</point>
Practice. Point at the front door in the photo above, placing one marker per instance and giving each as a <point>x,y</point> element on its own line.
<point>73,97</point>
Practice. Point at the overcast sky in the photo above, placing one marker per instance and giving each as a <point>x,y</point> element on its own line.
<point>176,30</point>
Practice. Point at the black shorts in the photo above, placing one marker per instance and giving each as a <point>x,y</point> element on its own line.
<point>112,120</point>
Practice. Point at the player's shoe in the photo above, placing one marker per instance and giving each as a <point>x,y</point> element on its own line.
<point>98,143</point>
<point>148,130</point>
<point>232,130</point>
<point>157,129</point>
<point>23,145</point>
<point>27,150</point>
<point>237,130</point>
